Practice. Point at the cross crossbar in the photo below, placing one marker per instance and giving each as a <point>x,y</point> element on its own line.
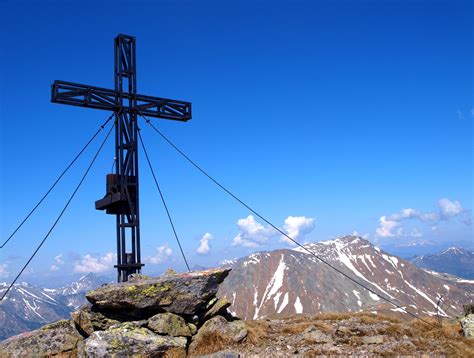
<point>76,94</point>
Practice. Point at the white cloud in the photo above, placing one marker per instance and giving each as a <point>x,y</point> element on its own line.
<point>162,253</point>
<point>59,259</point>
<point>386,226</point>
<point>390,226</point>
<point>253,234</point>
<point>3,270</point>
<point>204,244</point>
<point>297,227</point>
<point>58,262</point>
<point>449,208</point>
<point>95,264</point>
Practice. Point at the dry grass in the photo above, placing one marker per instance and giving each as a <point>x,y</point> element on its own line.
<point>412,338</point>
<point>209,343</point>
<point>175,353</point>
<point>348,332</point>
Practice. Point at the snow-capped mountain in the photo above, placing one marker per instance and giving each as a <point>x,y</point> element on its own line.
<point>28,307</point>
<point>74,292</point>
<point>454,260</point>
<point>292,281</point>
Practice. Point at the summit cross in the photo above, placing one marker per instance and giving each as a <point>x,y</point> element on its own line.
<point>122,197</point>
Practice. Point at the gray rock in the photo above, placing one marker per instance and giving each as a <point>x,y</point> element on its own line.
<point>170,324</point>
<point>192,328</point>
<point>467,325</point>
<point>373,339</point>
<point>183,294</point>
<point>218,307</point>
<point>314,335</point>
<point>134,277</point>
<point>468,309</point>
<point>218,328</point>
<point>131,340</point>
<point>59,338</point>
<point>87,320</point>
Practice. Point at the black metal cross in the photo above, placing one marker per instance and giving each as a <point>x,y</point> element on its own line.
<point>122,197</point>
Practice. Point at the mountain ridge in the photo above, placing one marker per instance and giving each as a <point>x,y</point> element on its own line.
<point>453,260</point>
<point>289,281</point>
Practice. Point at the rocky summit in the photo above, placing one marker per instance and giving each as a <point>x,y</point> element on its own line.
<point>168,316</point>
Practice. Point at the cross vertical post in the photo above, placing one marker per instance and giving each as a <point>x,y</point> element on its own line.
<point>126,154</point>
<point>122,194</point>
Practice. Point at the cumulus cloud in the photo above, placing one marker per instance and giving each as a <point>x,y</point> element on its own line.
<point>161,255</point>
<point>386,227</point>
<point>204,247</point>
<point>253,234</point>
<point>3,270</point>
<point>58,261</point>
<point>390,226</point>
<point>89,263</point>
<point>449,208</point>
<point>297,227</point>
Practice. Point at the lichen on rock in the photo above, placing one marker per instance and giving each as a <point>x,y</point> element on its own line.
<point>58,338</point>
<point>170,324</point>
<point>183,294</point>
<point>232,332</point>
<point>467,325</point>
<point>129,339</point>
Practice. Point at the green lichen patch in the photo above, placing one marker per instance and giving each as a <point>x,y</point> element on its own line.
<point>58,324</point>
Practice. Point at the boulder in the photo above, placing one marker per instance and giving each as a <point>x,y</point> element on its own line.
<point>468,309</point>
<point>129,339</point>
<point>59,338</point>
<point>218,328</point>
<point>87,320</point>
<point>219,307</point>
<point>182,294</point>
<point>314,335</point>
<point>170,324</point>
<point>467,325</point>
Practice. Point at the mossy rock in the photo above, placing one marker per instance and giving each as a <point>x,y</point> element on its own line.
<point>130,339</point>
<point>182,294</point>
<point>229,331</point>
<point>170,324</point>
<point>58,338</point>
<point>218,308</point>
<point>87,320</point>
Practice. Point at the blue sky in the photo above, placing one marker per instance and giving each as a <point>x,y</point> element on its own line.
<point>327,116</point>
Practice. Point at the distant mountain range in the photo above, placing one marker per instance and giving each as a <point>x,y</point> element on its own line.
<point>454,260</point>
<point>29,307</point>
<point>286,281</point>
<point>292,281</point>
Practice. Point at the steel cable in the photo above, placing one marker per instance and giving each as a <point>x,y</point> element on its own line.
<point>60,215</point>
<point>163,200</point>
<point>276,228</point>
<point>57,181</point>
